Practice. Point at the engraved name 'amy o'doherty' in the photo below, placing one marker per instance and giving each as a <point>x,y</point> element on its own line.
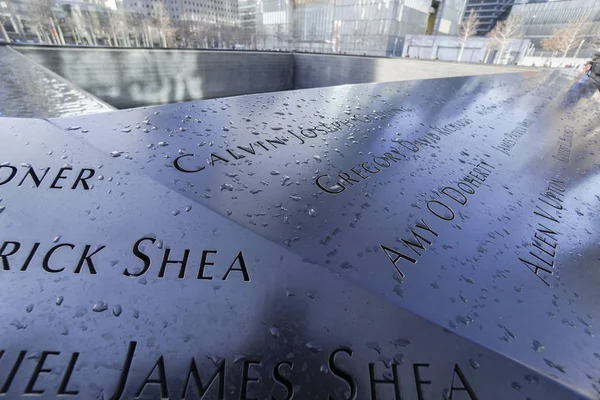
<point>456,195</point>
<point>205,264</point>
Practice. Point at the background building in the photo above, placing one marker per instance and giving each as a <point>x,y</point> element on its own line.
<point>11,13</point>
<point>477,49</point>
<point>489,11</point>
<point>365,27</point>
<point>541,18</point>
<point>448,17</point>
<point>213,11</point>
<point>247,13</point>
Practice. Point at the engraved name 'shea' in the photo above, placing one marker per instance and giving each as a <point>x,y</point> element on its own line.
<point>255,373</point>
<point>16,256</point>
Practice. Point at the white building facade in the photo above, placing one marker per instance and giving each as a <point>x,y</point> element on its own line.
<point>365,27</point>
<point>476,50</point>
<point>221,12</point>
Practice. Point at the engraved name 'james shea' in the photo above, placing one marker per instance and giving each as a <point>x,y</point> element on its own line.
<point>17,257</point>
<point>250,373</point>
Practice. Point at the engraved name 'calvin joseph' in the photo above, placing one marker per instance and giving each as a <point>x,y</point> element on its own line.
<point>188,163</point>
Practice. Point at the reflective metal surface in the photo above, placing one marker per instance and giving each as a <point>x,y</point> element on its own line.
<point>29,90</point>
<point>443,232</point>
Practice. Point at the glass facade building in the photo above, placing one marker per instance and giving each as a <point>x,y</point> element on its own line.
<point>450,13</point>
<point>247,13</point>
<point>489,12</point>
<point>222,12</point>
<point>365,27</point>
<point>361,27</point>
<point>540,19</point>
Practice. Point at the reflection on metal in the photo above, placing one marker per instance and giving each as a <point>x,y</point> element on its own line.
<point>29,90</point>
<point>412,240</point>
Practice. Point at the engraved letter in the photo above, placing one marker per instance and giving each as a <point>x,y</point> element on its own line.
<point>125,372</point>
<point>394,380</point>
<point>13,172</point>
<point>13,372</point>
<point>340,373</point>
<point>462,199</point>
<point>220,371</point>
<point>413,147</point>
<point>82,179</point>
<point>36,181</point>
<point>216,157</point>
<point>139,254</point>
<point>65,380</point>
<point>45,265</point>
<point>59,176</point>
<point>162,380</point>
<point>4,257</point>
<point>39,369</point>
<point>87,259</point>
<point>536,268</point>
<point>444,217</point>
<point>466,387</point>
<point>240,259</point>
<point>283,381</point>
<point>418,380</point>
<point>178,166</point>
<point>397,257</point>
<point>204,264</point>
<point>36,245</point>
<point>246,379</point>
<point>331,190</point>
<point>166,260</point>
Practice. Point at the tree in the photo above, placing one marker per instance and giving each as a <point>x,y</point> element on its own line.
<point>504,32</point>
<point>75,22</point>
<point>137,23</point>
<point>11,15</point>
<point>40,13</point>
<point>261,34</point>
<point>93,25</point>
<point>163,23</point>
<point>72,25</point>
<point>142,24</point>
<point>336,45</point>
<point>468,28</point>
<point>279,35</point>
<point>119,27</point>
<point>593,44</point>
<point>3,19</point>
<point>551,44</point>
<point>566,38</point>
